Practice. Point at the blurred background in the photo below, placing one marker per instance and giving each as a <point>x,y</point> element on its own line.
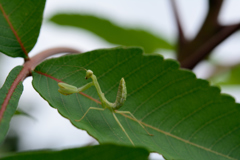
<point>43,127</point>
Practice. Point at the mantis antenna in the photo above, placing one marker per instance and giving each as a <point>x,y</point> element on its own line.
<point>67,89</point>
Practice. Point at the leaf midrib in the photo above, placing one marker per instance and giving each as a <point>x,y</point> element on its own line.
<point>14,32</point>
<point>11,90</point>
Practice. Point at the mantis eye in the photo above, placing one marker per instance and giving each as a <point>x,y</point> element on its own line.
<point>89,74</point>
<point>67,89</point>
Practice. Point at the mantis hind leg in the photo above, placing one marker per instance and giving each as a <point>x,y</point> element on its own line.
<point>93,108</point>
<point>122,128</point>
<point>139,122</point>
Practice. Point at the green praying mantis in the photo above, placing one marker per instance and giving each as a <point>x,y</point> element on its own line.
<point>67,89</point>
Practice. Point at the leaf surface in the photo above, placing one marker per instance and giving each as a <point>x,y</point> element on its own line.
<point>104,152</point>
<point>113,33</point>
<point>20,23</point>
<point>188,118</point>
<point>9,98</point>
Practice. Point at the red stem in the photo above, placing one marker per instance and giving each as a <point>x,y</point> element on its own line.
<point>34,61</point>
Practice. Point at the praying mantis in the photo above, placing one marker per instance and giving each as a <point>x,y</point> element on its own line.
<point>67,89</point>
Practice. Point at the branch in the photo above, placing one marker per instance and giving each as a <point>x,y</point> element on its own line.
<point>209,29</point>
<point>35,60</point>
<point>207,47</point>
<point>210,25</point>
<point>214,9</point>
<point>181,37</point>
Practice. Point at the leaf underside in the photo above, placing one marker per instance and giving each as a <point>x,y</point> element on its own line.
<point>113,33</point>
<point>20,23</point>
<point>107,151</point>
<point>11,107</point>
<point>188,118</point>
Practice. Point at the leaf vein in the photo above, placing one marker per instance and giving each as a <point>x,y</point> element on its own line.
<point>157,91</point>
<point>170,100</point>
<point>225,135</point>
<point>129,74</point>
<point>209,122</point>
<point>17,6</point>
<point>192,113</point>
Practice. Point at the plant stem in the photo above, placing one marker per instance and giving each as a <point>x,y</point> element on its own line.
<point>211,34</point>
<point>181,37</point>
<point>193,59</point>
<point>35,60</point>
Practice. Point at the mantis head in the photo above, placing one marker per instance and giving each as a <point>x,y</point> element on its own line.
<point>89,74</point>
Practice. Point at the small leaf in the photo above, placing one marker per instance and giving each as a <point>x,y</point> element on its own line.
<point>23,113</point>
<point>229,77</point>
<point>188,118</point>
<point>113,33</point>
<point>20,26</point>
<point>9,98</point>
<point>101,152</point>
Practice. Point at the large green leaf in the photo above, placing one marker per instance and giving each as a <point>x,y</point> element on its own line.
<point>9,97</point>
<point>188,118</point>
<point>20,23</point>
<point>113,33</point>
<point>104,152</point>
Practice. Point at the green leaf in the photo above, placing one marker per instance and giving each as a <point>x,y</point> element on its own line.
<point>19,112</point>
<point>9,98</point>
<point>113,33</point>
<point>188,118</point>
<point>20,26</point>
<point>229,77</point>
<point>101,152</point>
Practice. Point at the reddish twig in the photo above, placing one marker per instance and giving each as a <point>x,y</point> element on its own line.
<point>209,36</point>
<point>181,37</point>
<point>208,46</point>
<point>47,53</point>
